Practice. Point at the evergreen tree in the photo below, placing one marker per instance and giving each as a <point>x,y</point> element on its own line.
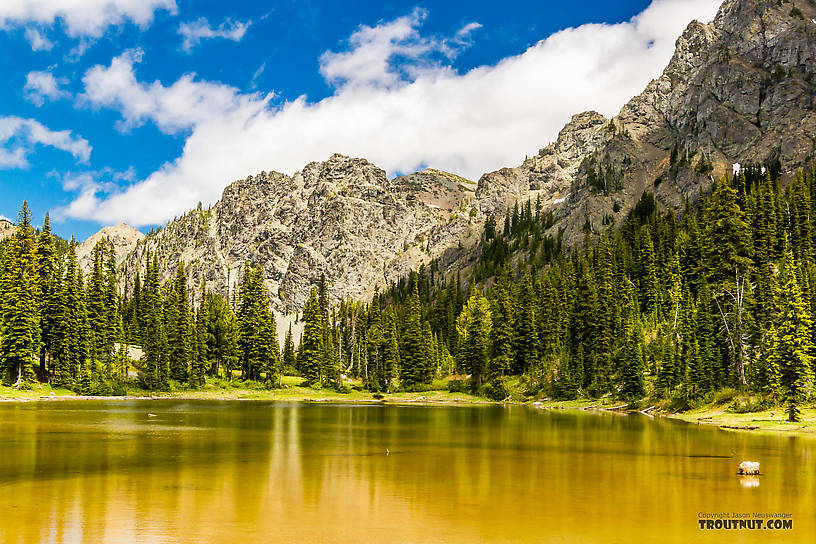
<point>792,348</point>
<point>501,341</point>
<point>391,353</point>
<point>179,335</point>
<point>48,288</point>
<point>20,325</point>
<point>153,335</point>
<point>526,330</point>
<point>631,380</point>
<point>414,353</point>
<point>474,325</point>
<point>289,351</point>
<point>204,339</point>
<point>311,345</point>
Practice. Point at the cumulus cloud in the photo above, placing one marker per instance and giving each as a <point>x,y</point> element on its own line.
<point>38,40</point>
<point>397,102</point>
<point>19,136</point>
<point>80,17</point>
<point>41,86</point>
<point>193,32</point>
<point>389,53</point>
<point>185,104</point>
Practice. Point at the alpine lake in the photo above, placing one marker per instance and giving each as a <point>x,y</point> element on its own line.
<point>253,471</point>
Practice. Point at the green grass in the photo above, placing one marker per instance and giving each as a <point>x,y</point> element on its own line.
<point>769,420</point>
<point>36,391</point>
<point>292,390</point>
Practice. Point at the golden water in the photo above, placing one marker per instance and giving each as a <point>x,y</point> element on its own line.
<point>262,472</point>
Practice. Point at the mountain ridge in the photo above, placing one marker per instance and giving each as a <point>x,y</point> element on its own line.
<point>737,89</point>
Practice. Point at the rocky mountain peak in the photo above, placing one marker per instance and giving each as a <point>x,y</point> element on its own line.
<point>342,217</point>
<point>122,237</point>
<point>738,89</point>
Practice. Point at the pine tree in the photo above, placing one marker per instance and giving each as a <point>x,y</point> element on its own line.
<point>631,380</point>
<point>526,329</point>
<point>501,341</point>
<point>20,325</point>
<point>96,303</point>
<point>179,335</point>
<point>289,351</point>
<point>48,287</point>
<point>414,353</point>
<point>70,335</point>
<point>391,353</point>
<point>153,335</point>
<point>270,350</point>
<point>311,346</point>
<point>374,374</point>
<point>474,325</point>
<point>792,348</point>
<point>203,340</point>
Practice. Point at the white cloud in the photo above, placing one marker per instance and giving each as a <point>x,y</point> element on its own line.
<point>18,137</point>
<point>80,17</point>
<point>38,40</point>
<point>387,54</point>
<point>183,105</point>
<point>200,29</point>
<point>397,103</point>
<point>41,86</point>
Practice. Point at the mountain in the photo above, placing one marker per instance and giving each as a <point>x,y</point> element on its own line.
<point>738,89</point>
<point>343,218</point>
<point>122,237</point>
<point>6,229</point>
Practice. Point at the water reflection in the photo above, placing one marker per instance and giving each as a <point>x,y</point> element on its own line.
<point>245,471</point>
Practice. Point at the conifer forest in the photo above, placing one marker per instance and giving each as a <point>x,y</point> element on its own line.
<point>664,306</point>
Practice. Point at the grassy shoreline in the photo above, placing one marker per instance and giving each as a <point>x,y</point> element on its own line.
<point>715,414</point>
<point>291,391</point>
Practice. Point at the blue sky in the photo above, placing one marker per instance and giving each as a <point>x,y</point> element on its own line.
<point>135,110</point>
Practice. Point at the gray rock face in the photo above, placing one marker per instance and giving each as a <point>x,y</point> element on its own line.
<point>6,229</point>
<point>122,237</point>
<point>738,89</point>
<point>343,218</point>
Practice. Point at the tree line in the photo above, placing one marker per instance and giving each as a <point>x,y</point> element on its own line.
<point>722,296</point>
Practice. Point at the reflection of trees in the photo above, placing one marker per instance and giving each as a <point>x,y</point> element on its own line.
<point>218,471</point>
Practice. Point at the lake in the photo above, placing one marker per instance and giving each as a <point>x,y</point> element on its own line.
<point>233,471</point>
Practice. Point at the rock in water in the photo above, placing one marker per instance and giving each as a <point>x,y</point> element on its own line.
<point>749,467</point>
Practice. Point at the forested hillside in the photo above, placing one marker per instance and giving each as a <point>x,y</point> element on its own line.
<point>660,306</point>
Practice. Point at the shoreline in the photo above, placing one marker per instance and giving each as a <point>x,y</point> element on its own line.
<point>767,421</point>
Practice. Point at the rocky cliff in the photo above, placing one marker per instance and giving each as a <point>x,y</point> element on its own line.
<point>6,229</point>
<point>343,218</point>
<point>123,238</point>
<point>738,89</point>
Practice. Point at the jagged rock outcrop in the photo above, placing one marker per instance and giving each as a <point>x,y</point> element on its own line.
<point>6,229</point>
<point>123,238</point>
<point>739,89</point>
<point>343,218</point>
